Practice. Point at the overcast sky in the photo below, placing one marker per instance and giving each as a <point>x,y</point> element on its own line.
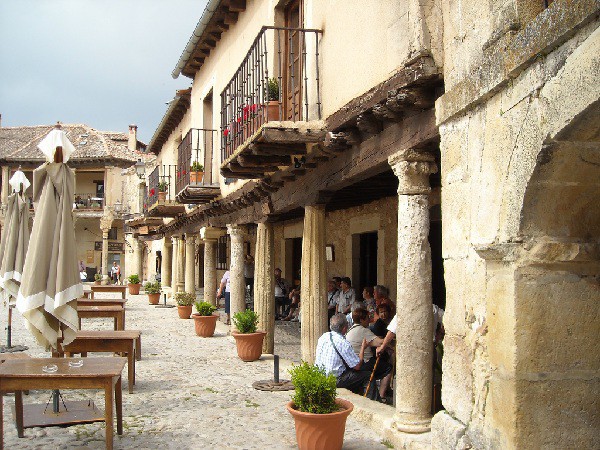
<point>105,63</point>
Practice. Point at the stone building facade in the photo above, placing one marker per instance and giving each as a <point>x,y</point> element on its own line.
<point>445,149</point>
<point>99,193</point>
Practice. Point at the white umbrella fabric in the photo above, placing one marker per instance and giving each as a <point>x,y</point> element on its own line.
<point>50,284</point>
<point>13,247</point>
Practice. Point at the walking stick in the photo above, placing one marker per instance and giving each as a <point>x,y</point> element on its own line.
<point>372,374</point>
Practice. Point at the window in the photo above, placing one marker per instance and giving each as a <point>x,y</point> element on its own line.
<point>112,233</point>
<point>222,252</point>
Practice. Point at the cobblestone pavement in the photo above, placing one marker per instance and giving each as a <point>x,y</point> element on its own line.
<point>190,393</point>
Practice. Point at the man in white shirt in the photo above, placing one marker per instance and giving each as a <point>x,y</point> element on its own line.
<point>224,290</point>
<point>345,296</point>
<point>335,355</point>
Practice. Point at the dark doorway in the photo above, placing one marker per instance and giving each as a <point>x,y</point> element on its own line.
<point>296,261</point>
<point>438,287</point>
<point>364,247</point>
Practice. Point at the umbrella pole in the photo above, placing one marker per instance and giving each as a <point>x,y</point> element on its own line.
<point>8,328</point>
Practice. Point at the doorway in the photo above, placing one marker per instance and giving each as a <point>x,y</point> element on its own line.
<point>364,261</point>
<point>293,260</point>
<point>292,78</point>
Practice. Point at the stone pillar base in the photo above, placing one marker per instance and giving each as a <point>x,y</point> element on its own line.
<point>408,424</point>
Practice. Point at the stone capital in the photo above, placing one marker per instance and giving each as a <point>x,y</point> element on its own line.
<point>236,231</point>
<point>413,169</point>
<point>190,238</point>
<point>175,240</point>
<point>105,234</point>
<point>211,233</point>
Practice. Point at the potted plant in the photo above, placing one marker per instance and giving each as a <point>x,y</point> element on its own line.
<point>97,278</point>
<point>153,290</point>
<point>273,98</point>
<point>204,319</point>
<point>162,187</point>
<point>248,341</point>
<point>184,300</point>
<point>319,416</point>
<point>134,284</point>
<point>196,173</point>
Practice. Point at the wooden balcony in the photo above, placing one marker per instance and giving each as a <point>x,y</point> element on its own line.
<point>195,186</point>
<point>161,201</point>
<point>271,108</point>
<point>142,225</point>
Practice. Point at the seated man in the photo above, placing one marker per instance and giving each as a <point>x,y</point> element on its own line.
<point>360,332</point>
<point>382,296</point>
<point>336,356</point>
<point>294,309</point>
<point>354,307</point>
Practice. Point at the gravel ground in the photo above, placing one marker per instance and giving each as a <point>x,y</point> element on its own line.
<point>191,392</point>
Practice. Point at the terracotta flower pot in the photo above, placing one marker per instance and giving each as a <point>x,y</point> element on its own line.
<point>98,282</point>
<point>184,311</point>
<point>205,325</point>
<point>153,299</point>
<point>196,177</point>
<point>162,196</point>
<point>273,110</point>
<point>249,345</point>
<point>134,289</point>
<point>321,431</point>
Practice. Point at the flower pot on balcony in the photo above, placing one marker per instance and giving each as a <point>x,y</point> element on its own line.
<point>273,110</point>
<point>196,177</point>
<point>162,196</point>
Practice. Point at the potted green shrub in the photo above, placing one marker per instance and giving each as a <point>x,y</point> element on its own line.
<point>320,417</point>
<point>134,284</point>
<point>153,290</point>
<point>204,319</point>
<point>162,187</point>
<point>273,98</point>
<point>196,173</point>
<point>97,278</point>
<point>248,340</point>
<point>184,301</point>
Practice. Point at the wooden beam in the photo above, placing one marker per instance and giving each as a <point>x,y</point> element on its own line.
<point>262,161</point>
<point>358,163</point>
<point>230,18</point>
<point>221,26</point>
<point>237,5</point>
<point>422,72</point>
<point>268,149</point>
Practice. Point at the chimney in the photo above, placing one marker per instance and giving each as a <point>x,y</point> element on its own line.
<point>132,141</point>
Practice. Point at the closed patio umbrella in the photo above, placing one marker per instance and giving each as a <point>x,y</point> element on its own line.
<point>50,283</point>
<point>13,248</point>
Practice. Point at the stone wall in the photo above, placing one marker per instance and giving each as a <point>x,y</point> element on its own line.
<point>520,233</point>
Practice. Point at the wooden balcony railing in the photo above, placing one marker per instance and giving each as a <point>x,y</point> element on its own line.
<point>161,179</point>
<point>278,80</point>
<point>196,147</point>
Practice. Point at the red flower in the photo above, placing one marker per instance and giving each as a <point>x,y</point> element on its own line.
<point>152,191</point>
<point>226,132</point>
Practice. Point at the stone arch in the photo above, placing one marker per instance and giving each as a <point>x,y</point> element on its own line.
<point>557,291</point>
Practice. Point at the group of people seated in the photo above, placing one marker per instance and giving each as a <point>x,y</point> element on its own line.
<point>359,348</point>
<point>287,299</point>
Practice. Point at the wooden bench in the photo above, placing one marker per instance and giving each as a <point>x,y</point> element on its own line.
<point>109,341</point>
<point>116,312</point>
<point>110,288</point>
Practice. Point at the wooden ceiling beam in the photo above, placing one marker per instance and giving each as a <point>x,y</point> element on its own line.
<point>230,18</point>
<point>237,5</point>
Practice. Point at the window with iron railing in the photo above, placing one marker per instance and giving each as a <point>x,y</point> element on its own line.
<point>195,149</point>
<point>161,180</point>
<point>278,80</point>
<point>222,252</point>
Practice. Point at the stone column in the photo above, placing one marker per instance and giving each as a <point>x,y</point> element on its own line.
<point>313,291</point>
<point>236,270</point>
<point>174,263</point>
<point>165,263</point>
<point>104,266</point>
<point>137,258</point>
<point>414,345</point>
<point>210,236</point>
<point>190,263</point>
<point>264,284</point>
<point>181,266</point>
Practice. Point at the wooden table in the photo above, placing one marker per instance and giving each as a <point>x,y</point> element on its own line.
<point>96,373</point>
<point>116,312</point>
<point>110,288</point>
<point>102,302</point>
<point>107,341</point>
